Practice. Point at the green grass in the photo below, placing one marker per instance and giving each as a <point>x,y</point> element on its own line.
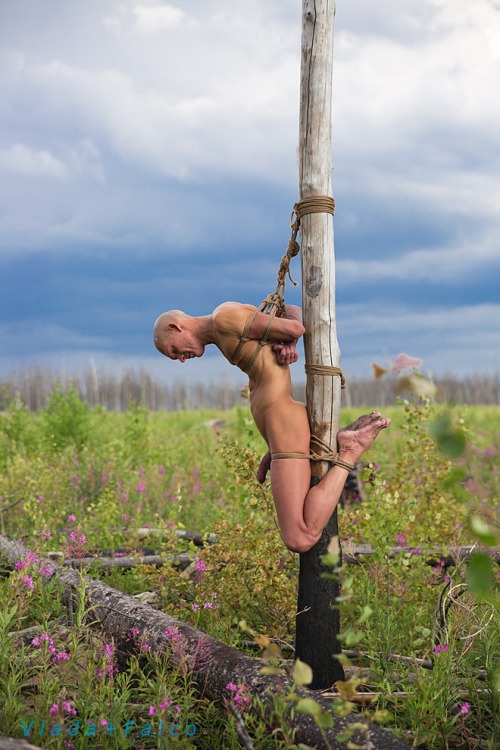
<point>75,480</point>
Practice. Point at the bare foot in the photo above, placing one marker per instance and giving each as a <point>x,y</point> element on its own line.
<point>354,439</point>
<point>264,467</point>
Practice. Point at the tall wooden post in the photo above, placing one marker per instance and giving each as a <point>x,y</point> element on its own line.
<point>317,623</point>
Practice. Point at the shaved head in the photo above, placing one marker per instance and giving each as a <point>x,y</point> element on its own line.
<point>162,330</point>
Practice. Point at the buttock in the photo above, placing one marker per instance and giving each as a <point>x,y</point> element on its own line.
<point>287,428</point>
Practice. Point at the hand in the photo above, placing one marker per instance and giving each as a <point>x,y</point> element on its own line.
<point>286,353</point>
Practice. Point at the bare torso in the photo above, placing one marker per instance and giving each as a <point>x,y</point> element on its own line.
<point>281,420</point>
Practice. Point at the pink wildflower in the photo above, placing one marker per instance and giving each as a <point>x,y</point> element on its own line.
<point>195,607</point>
<point>61,656</point>
<point>151,711</point>
<point>200,565</point>
<point>172,633</point>
<point>71,518</point>
<point>438,649</point>
<point>465,708</point>
<point>403,361</point>
<point>54,709</point>
<point>141,487</point>
<point>165,704</point>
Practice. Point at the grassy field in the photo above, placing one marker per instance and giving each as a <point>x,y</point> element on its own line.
<point>75,481</point>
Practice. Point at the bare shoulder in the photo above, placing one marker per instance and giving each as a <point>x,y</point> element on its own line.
<point>230,317</point>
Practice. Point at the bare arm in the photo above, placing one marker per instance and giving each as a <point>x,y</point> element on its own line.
<point>230,318</point>
<point>286,351</point>
<point>283,330</point>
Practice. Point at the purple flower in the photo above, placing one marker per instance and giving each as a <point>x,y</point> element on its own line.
<point>465,708</point>
<point>445,647</point>
<point>71,518</point>
<point>61,656</point>
<point>141,487</point>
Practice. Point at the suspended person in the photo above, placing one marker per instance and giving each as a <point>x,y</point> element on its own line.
<point>263,348</point>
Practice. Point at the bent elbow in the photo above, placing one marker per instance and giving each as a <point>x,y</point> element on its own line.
<point>299,330</point>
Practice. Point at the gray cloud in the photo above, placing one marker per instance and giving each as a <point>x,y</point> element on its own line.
<point>150,154</point>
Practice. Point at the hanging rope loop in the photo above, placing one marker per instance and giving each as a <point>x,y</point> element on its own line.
<point>313,204</point>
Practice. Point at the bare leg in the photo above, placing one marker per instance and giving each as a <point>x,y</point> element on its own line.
<point>302,511</point>
<point>358,423</point>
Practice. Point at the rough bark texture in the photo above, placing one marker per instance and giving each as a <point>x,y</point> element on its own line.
<point>213,664</point>
<point>319,626</point>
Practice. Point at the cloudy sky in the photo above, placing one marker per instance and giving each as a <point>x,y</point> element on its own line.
<point>148,161</point>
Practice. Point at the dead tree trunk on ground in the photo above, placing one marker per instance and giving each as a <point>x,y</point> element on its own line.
<point>212,664</point>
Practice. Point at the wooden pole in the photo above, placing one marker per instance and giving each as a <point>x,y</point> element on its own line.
<point>318,625</point>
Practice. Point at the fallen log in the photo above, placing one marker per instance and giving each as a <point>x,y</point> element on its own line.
<point>434,555</point>
<point>350,556</point>
<point>212,664</point>
<point>181,560</point>
<point>197,537</point>
<point>9,743</point>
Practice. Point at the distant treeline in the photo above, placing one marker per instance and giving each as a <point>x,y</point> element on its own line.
<point>118,392</point>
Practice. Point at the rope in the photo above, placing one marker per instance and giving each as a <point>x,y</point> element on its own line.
<point>275,303</point>
<point>313,204</point>
<point>326,370</point>
<point>325,453</point>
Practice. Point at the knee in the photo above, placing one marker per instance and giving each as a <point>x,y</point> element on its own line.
<point>300,542</point>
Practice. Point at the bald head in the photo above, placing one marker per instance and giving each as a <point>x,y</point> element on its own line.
<point>165,324</point>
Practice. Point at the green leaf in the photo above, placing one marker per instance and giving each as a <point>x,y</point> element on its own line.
<point>452,444</point>
<point>482,531</point>
<point>330,560</point>
<point>343,659</point>
<point>302,673</point>
<point>451,441</point>
<point>480,573</point>
<point>324,720</point>
<point>382,716</point>
<point>308,706</point>
<point>272,670</point>
<point>346,735</point>
<point>454,476</point>
<point>496,680</point>
<point>365,615</point>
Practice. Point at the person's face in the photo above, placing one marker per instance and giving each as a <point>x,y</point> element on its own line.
<point>182,345</point>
